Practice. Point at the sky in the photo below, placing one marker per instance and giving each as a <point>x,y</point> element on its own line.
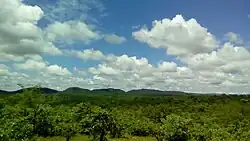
<point>191,46</point>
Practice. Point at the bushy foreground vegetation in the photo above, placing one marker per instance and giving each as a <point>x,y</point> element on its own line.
<point>32,115</point>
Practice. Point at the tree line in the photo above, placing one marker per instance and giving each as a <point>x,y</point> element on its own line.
<point>31,114</point>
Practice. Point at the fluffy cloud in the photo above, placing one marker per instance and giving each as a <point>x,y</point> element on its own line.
<point>104,70</point>
<point>114,39</point>
<point>226,67</point>
<point>178,36</point>
<point>206,65</point>
<point>59,82</point>
<point>57,70</point>
<point>11,81</point>
<point>79,31</point>
<point>168,66</point>
<point>80,72</point>
<point>87,54</point>
<point>227,55</point>
<point>233,38</point>
<point>73,30</point>
<point>39,65</point>
<point>130,72</point>
<point>17,11</point>
<point>123,71</point>
<point>125,62</point>
<point>31,65</point>
<point>19,33</point>
<point>4,70</point>
<point>203,61</point>
<point>223,70</point>
<point>10,57</point>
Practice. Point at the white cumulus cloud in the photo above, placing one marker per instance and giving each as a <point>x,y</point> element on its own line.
<point>73,30</point>
<point>205,64</point>
<point>114,39</point>
<point>227,54</point>
<point>178,36</point>
<point>233,38</point>
<point>39,65</point>
<point>87,54</point>
<point>57,70</point>
<point>19,33</point>
<point>31,65</point>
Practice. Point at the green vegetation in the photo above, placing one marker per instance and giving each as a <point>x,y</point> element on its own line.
<point>118,116</point>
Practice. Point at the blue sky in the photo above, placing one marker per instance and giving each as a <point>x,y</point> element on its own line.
<point>81,30</point>
<point>219,17</point>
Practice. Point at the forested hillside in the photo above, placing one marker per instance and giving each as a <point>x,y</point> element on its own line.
<point>32,115</point>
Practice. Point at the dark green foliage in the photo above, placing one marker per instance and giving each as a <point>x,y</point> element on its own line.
<point>15,124</point>
<point>41,118</point>
<point>101,124</point>
<point>64,123</point>
<point>172,128</point>
<point>111,113</point>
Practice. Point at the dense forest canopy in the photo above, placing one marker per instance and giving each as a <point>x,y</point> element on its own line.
<point>107,115</point>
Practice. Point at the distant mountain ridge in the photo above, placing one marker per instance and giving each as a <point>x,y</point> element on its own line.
<point>156,92</point>
<point>43,90</point>
<point>6,92</point>
<point>74,90</point>
<point>112,90</point>
<point>78,90</point>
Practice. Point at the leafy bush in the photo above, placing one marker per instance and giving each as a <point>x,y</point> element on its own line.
<point>64,123</point>
<point>172,128</point>
<point>101,124</point>
<point>15,124</point>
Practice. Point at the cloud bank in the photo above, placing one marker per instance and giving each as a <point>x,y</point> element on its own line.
<point>207,64</point>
